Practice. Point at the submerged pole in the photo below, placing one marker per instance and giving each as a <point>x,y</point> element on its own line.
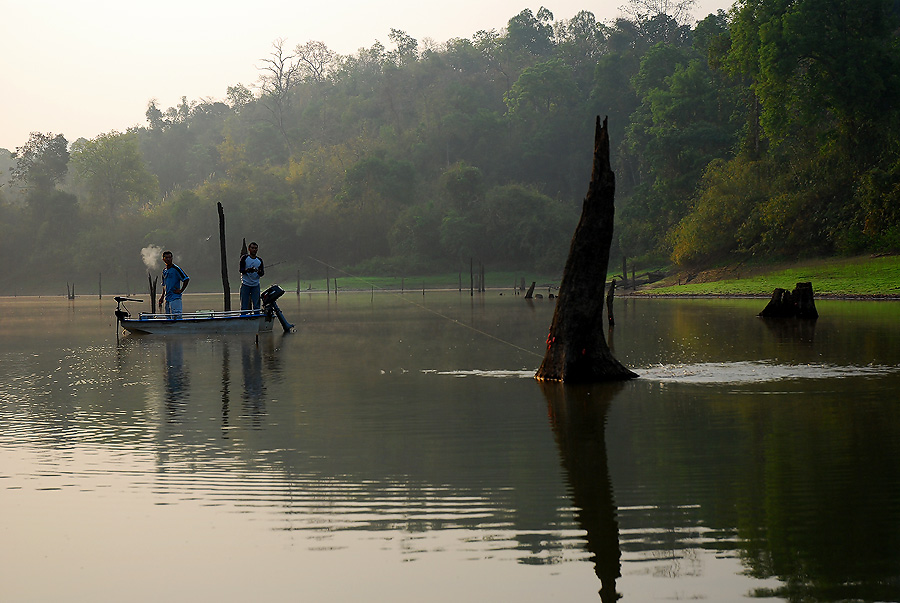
<point>610,295</point>
<point>226,288</point>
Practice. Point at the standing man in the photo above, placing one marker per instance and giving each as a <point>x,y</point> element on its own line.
<point>174,281</point>
<point>251,269</point>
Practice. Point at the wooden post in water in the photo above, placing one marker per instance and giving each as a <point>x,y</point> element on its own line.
<point>226,288</point>
<point>576,347</point>
<point>610,294</point>
<point>471,279</point>
<point>530,293</point>
<point>152,282</point>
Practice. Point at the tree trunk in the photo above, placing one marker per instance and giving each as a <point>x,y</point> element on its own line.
<point>530,293</point>
<point>576,348</point>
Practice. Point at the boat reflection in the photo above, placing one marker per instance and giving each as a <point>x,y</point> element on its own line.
<point>578,418</point>
<point>254,395</point>
<point>259,361</point>
<point>177,377</point>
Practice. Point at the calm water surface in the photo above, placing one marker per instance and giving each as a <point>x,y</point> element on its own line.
<point>396,448</point>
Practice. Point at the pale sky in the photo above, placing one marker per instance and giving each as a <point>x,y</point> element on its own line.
<point>85,67</point>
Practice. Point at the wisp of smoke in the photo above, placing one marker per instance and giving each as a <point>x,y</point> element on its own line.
<point>151,256</point>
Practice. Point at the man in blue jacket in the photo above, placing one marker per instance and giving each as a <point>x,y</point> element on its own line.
<point>174,281</point>
<point>252,268</point>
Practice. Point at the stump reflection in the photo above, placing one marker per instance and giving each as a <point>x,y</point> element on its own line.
<point>578,418</point>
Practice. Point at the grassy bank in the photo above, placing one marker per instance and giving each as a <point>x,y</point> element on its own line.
<point>862,277</point>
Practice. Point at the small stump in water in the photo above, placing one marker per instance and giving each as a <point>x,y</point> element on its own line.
<point>798,303</point>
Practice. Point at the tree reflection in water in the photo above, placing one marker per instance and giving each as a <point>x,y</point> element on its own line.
<point>578,418</point>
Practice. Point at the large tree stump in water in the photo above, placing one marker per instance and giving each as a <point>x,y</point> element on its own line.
<point>576,348</point>
<point>799,303</point>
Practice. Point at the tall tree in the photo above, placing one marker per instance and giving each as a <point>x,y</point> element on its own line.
<point>112,167</point>
<point>316,61</point>
<point>41,162</point>
<point>825,65</point>
<point>281,72</point>
<point>640,10</point>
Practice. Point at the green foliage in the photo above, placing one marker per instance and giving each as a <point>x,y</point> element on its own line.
<point>723,218</point>
<point>112,167</point>
<point>42,162</point>
<point>769,130</point>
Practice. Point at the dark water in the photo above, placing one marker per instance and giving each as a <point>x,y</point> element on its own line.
<point>396,448</point>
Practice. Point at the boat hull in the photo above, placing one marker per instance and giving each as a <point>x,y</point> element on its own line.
<point>200,322</point>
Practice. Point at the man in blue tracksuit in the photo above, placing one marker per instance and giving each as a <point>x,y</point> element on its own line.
<point>252,268</point>
<point>175,281</point>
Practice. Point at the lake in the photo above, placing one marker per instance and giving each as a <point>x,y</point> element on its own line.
<point>396,448</point>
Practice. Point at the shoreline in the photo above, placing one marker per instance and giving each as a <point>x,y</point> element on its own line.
<point>818,296</point>
<point>639,294</point>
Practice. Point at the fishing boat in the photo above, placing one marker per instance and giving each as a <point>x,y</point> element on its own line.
<point>205,321</point>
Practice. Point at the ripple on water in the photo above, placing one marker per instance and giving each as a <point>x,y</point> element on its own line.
<point>496,373</point>
<point>756,372</point>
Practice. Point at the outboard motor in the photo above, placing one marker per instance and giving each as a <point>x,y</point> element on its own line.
<point>271,294</point>
<point>121,311</point>
<point>268,298</point>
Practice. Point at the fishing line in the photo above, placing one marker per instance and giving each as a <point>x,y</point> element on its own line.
<point>435,312</point>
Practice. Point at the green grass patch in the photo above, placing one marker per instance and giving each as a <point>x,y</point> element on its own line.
<point>852,277</point>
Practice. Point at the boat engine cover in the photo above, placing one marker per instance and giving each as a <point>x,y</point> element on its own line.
<point>271,294</point>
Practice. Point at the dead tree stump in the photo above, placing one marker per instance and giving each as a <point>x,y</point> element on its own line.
<point>576,347</point>
<point>799,303</point>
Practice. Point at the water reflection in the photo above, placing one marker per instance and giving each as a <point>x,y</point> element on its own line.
<point>743,463</point>
<point>578,418</point>
<point>254,389</point>
<point>177,377</point>
<point>791,329</point>
<point>226,391</point>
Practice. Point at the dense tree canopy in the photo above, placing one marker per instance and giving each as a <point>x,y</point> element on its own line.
<point>768,129</point>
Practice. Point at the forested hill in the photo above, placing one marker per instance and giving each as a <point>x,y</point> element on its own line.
<point>772,129</point>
